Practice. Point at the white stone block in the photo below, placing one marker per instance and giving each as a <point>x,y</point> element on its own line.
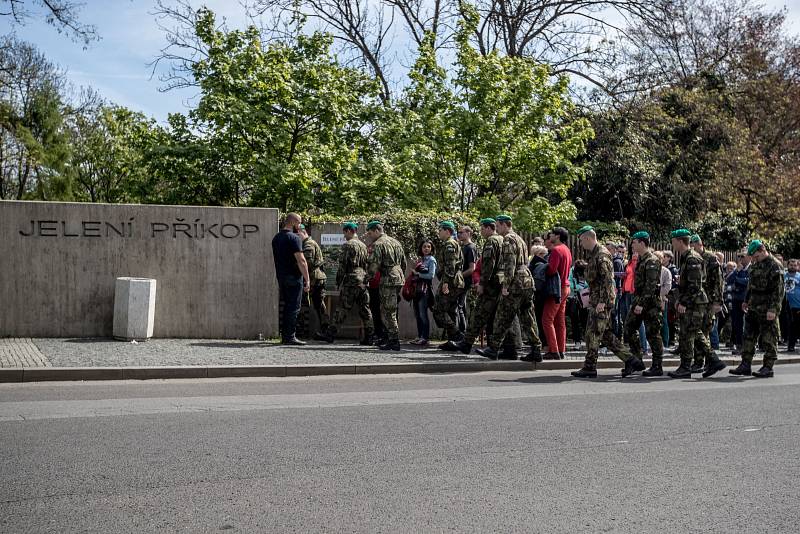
<point>134,308</point>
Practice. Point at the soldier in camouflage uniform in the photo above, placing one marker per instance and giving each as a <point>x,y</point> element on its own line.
<point>600,276</point>
<point>516,293</point>
<point>713,287</point>
<point>646,306</point>
<point>389,259</point>
<point>315,261</point>
<point>351,281</point>
<point>451,285</point>
<point>762,307</point>
<point>488,294</point>
<point>691,304</point>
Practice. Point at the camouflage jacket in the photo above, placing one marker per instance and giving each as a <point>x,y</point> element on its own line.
<point>766,288</point>
<point>450,261</point>
<point>313,254</point>
<point>513,266</point>
<point>352,263</point>
<point>647,282</point>
<point>389,259</point>
<point>713,285</point>
<point>600,276</point>
<point>490,260</point>
<point>692,278</point>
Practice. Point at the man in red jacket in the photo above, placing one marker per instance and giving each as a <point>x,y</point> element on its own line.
<point>554,313</point>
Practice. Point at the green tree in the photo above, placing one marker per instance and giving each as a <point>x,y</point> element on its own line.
<point>109,144</point>
<point>498,135</point>
<point>284,123</point>
<point>33,135</point>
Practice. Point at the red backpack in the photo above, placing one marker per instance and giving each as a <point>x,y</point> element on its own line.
<point>409,288</point>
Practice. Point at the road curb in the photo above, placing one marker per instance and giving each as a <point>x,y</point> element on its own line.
<point>42,374</point>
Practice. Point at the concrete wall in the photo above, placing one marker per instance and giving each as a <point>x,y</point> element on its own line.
<point>59,261</point>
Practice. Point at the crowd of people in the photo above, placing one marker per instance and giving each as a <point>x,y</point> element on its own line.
<point>632,301</point>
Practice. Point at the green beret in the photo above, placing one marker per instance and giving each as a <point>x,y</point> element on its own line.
<point>753,247</point>
<point>583,229</point>
<point>448,225</point>
<point>681,232</point>
<point>695,238</point>
<point>487,221</point>
<point>641,235</point>
<point>503,218</point>
<point>373,224</point>
<point>350,226</point>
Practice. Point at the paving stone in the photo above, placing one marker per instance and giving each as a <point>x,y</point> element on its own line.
<point>21,352</point>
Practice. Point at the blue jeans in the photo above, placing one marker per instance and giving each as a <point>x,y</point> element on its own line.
<point>623,307</point>
<point>665,327</point>
<point>715,335</point>
<point>643,337</point>
<point>291,294</point>
<point>737,324</point>
<point>421,313</point>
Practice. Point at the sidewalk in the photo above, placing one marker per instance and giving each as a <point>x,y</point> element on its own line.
<point>23,359</point>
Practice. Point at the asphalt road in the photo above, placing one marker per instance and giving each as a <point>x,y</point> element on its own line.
<point>492,452</point>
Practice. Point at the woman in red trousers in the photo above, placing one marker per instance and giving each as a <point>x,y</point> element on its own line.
<point>554,314</point>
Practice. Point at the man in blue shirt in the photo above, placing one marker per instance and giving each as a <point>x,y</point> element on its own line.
<point>291,270</point>
<point>738,281</point>
<point>792,279</point>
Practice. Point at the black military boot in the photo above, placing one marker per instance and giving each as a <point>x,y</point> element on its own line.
<point>589,370</point>
<point>366,341</point>
<point>742,370</point>
<point>552,356</point>
<point>713,366</point>
<point>464,347</point>
<point>488,352</point>
<point>329,335</point>
<point>632,365</point>
<point>534,356</point>
<point>448,346</point>
<point>764,372</point>
<point>392,344</point>
<point>683,371</point>
<point>655,370</point>
<point>508,353</point>
<point>322,336</point>
<point>697,367</point>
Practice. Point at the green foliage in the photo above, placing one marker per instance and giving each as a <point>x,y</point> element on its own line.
<point>723,232</point>
<point>787,243</point>
<point>655,162</point>
<point>108,162</point>
<point>501,135</point>
<point>282,123</point>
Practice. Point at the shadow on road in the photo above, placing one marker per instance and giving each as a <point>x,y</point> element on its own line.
<point>231,345</point>
<point>614,378</point>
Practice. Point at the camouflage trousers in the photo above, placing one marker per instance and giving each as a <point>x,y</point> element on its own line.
<point>390,298</point>
<point>444,312</point>
<point>518,303</point>
<point>652,319</point>
<point>599,330</point>
<point>350,296</point>
<point>708,324</point>
<point>316,302</point>
<point>757,330</point>
<point>482,312</point>
<point>692,342</point>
